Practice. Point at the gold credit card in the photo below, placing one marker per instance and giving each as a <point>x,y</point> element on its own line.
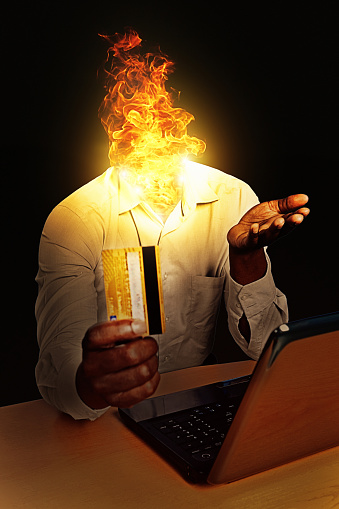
<point>133,286</point>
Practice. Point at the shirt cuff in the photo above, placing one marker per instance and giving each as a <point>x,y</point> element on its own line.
<point>252,298</point>
<point>70,401</point>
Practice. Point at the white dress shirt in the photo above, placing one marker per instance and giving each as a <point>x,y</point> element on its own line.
<point>107,214</point>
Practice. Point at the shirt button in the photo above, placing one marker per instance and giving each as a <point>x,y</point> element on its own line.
<point>167,318</point>
<point>165,275</point>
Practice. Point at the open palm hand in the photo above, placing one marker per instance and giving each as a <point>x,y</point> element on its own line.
<point>268,221</point>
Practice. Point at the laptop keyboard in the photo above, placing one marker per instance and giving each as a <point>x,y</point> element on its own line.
<point>199,431</point>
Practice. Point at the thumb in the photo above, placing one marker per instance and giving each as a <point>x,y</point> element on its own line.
<point>108,334</point>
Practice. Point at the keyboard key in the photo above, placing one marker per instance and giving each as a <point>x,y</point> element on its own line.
<point>190,446</point>
<point>164,428</point>
<point>177,438</point>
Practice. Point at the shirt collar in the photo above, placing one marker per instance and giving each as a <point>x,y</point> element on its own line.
<point>196,190</point>
<point>128,198</point>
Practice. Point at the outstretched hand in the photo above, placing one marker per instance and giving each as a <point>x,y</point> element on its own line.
<point>266,222</point>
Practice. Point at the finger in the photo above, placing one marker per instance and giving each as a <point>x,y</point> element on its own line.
<point>134,396</point>
<point>254,230</point>
<point>126,379</point>
<point>304,211</point>
<point>106,335</point>
<point>289,204</point>
<point>278,223</point>
<point>272,231</point>
<point>110,360</point>
<point>294,219</point>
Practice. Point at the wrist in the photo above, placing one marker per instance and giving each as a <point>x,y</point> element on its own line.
<point>86,392</point>
<point>247,267</point>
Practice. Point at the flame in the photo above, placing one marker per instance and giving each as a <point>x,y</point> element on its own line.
<point>148,138</point>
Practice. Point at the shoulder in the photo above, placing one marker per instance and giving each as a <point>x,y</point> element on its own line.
<point>86,213</point>
<point>93,197</point>
<point>223,184</point>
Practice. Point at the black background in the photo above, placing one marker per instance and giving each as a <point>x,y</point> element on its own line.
<point>262,82</point>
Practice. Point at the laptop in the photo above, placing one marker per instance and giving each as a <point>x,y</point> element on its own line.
<point>286,409</point>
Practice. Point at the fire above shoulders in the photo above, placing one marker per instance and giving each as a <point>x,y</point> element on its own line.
<point>145,129</point>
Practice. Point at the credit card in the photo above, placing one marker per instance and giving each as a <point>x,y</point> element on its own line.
<point>133,286</point>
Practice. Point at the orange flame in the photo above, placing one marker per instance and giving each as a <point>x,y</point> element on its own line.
<point>147,134</point>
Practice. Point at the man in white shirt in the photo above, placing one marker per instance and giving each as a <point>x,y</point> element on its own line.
<point>212,241</point>
<point>211,233</point>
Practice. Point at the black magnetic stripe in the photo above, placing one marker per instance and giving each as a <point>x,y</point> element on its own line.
<point>152,290</point>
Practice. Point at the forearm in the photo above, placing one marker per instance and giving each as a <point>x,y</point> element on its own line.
<point>245,268</point>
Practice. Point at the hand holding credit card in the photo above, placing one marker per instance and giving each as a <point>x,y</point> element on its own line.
<point>112,376</point>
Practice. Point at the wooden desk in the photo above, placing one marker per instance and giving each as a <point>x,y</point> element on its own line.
<point>50,461</point>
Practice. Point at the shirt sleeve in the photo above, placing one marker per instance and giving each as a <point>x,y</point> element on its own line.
<point>66,307</point>
<point>264,306</point>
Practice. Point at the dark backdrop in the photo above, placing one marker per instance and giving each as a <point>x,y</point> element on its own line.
<point>262,82</point>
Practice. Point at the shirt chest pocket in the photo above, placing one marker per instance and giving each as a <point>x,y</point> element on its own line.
<point>205,299</point>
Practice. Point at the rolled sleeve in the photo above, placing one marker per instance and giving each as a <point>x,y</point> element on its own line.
<point>264,306</point>
<point>59,390</point>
